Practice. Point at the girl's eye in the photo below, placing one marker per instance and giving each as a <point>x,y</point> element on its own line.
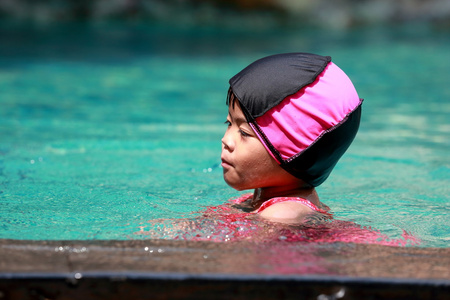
<point>243,133</point>
<point>228,123</point>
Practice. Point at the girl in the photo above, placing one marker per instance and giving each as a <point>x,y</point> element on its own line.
<point>290,118</point>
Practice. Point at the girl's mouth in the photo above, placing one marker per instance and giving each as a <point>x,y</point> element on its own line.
<point>225,163</point>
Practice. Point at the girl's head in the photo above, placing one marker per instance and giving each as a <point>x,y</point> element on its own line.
<point>245,161</point>
<point>301,108</point>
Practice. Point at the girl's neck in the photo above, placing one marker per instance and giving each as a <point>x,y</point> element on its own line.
<point>261,195</point>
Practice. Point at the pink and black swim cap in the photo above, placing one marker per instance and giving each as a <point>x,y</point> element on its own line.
<point>304,109</point>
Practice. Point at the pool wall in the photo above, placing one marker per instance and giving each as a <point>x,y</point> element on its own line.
<point>162,269</point>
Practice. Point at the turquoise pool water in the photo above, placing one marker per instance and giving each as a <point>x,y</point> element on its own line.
<point>106,126</point>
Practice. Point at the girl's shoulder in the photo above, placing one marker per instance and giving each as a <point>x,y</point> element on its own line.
<point>283,209</point>
<point>301,203</point>
<point>291,210</point>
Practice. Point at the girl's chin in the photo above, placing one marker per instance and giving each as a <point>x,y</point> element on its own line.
<point>233,183</point>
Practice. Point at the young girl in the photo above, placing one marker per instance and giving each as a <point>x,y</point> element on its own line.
<point>290,118</point>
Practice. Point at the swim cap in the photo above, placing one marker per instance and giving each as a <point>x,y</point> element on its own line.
<point>303,108</point>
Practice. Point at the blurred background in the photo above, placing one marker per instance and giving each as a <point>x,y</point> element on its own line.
<point>254,13</point>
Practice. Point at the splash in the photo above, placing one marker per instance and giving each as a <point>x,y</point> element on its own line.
<point>226,223</point>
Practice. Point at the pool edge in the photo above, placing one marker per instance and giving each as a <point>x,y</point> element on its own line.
<point>118,269</point>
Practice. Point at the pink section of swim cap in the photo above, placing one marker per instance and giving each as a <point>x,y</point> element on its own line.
<point>300,119</point>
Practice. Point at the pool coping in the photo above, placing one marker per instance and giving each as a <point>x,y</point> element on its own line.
<point>163,269</point>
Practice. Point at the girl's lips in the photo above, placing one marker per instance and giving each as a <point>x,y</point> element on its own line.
<point>226,164</point>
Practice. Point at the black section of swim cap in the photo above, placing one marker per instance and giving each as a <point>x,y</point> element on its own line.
<point>315,164</point>
<point>266,82</point>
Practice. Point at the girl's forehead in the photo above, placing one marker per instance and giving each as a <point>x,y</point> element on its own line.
<point>236,113</point>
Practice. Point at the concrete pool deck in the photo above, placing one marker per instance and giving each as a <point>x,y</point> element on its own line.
<point>162,269</point>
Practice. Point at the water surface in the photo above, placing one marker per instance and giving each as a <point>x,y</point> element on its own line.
<point>106,126</point>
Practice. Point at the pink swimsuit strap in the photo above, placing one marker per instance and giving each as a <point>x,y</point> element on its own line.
<point>286,199</point>
<point>279,200</point>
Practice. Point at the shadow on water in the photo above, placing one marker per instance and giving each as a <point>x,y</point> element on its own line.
<point>119,42</point>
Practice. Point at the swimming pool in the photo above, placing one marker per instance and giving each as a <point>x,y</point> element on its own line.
<point>104,127</point>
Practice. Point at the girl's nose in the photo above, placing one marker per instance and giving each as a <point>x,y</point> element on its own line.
<point>227,141</point>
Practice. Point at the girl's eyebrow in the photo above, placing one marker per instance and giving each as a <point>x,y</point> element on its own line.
<point>238,120</point>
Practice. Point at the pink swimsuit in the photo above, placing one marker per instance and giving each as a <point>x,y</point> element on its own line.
<point>273,201</point>
<point>233,223</point>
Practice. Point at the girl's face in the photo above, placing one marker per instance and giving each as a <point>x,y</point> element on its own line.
<point>245,161</point>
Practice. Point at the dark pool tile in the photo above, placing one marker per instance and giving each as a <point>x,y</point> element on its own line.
<point>174,286</point>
